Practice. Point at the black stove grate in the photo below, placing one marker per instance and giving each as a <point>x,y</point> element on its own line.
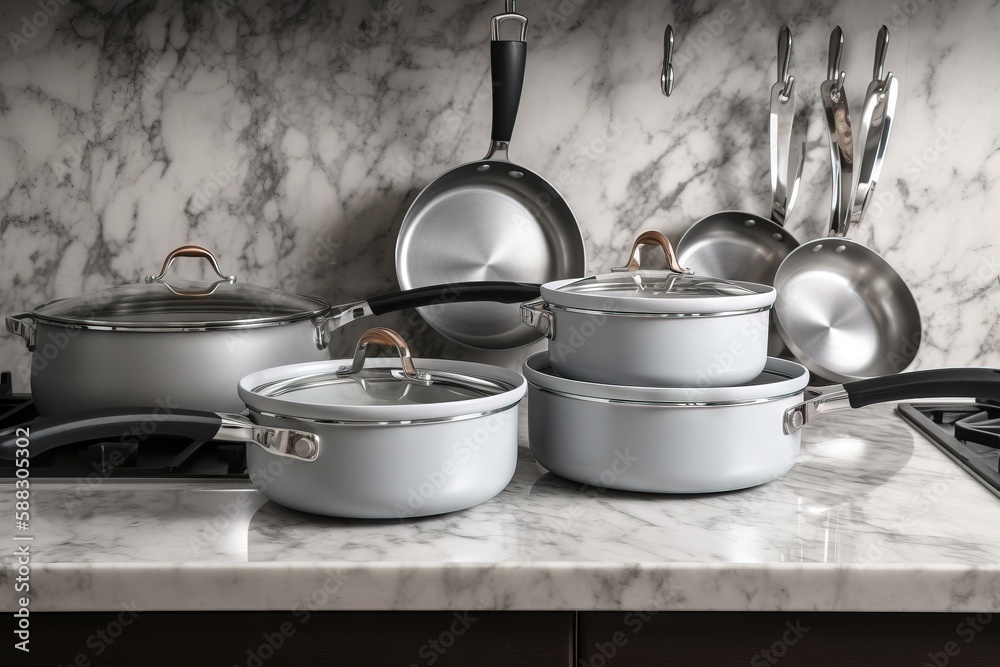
<point>155,457</point>
<point>968,432</point>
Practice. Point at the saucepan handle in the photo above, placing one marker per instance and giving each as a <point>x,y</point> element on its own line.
<point>981,383</point>
<point>487,290</point>
<point>138,424</point>
<point>432,295</point>
<point>934,383</point>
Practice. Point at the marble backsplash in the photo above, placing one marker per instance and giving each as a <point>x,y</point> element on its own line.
<point>290,138</point>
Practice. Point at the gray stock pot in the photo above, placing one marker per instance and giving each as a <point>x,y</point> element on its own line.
<point>184,344</point>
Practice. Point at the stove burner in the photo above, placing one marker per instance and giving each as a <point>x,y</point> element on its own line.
<point>154,457</point>
<point>982,428</point>
<point>967,432</point>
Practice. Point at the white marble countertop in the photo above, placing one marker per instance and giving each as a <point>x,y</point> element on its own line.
<point>872,518</point>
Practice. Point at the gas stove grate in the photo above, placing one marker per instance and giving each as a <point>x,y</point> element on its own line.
<point>159,457</point>
<point>969,433</point>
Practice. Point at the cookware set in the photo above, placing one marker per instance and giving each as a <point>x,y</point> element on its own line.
<point>655,380</point>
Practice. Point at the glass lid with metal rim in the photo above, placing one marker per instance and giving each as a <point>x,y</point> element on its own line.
<point>384,391</point>
<point>158,304</point>
<point>673,290</point>
<point>356,384</point>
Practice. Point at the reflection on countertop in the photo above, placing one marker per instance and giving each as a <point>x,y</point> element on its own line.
<point>872,517</point>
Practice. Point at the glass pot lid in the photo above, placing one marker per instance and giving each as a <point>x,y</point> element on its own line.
<point>632,289</point>
<point>358,385</point>
<point>158,304</point>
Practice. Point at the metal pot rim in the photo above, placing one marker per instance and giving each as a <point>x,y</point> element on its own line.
<point>322,309</point>
<point>780,379</point>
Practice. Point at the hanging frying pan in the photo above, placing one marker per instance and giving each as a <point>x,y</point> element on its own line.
<point>490,220</point>
<point>841,308</point>
<point>738,245</point>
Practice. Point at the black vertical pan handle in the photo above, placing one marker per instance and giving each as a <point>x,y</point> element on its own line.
<point>935,383</point>
<point>487,290</point>
<point>507,65</point>
<point>135,424</point>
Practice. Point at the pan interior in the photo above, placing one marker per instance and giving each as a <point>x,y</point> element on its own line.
<point>504,223</point>
<point>847,312</point>
<point>728,246</point>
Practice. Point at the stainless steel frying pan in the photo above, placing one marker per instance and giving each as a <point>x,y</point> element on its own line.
<point>738,245</point>
<point>490,220</point>
<point>843,310</point>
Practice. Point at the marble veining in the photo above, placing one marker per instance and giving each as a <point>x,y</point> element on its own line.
<point>872,517</point>
<point>290,138</point>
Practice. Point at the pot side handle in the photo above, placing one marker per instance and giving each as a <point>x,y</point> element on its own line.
<point>137,424</point>
<point>23,325</point>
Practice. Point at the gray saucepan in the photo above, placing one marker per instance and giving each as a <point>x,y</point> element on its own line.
<point>375,439</point>
<point>706,439</point>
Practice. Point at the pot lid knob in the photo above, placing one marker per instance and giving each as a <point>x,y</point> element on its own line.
<point>384,337</point>
<point>653,237</point>
<point>191,251</point>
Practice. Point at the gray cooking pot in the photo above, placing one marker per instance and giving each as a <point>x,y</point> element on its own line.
<point>183,344</point>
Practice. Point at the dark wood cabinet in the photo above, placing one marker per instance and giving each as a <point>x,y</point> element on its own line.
<point>517,639</point>
<point>302,639</point>
<point>789,639</point>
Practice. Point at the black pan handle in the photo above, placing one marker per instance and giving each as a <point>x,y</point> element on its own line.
<point>934,383</point>
<point>487,290</point>
<point>507,60</point>
<point>135,424</point>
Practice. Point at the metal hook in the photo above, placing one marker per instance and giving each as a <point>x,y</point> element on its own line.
<point>784,60</point>
<point>667,73</point>
<point>881,48</point>
<point>833,71</point>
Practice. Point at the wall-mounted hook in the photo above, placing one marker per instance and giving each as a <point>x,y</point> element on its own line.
<point>881,48</point>
<point>833,71</point>
<point>667,73</point>
<point>784,61</point>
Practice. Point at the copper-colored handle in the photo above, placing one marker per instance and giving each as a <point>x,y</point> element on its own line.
<point>387,338</point>
<point>653,237</point>
<point>190,251</point>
